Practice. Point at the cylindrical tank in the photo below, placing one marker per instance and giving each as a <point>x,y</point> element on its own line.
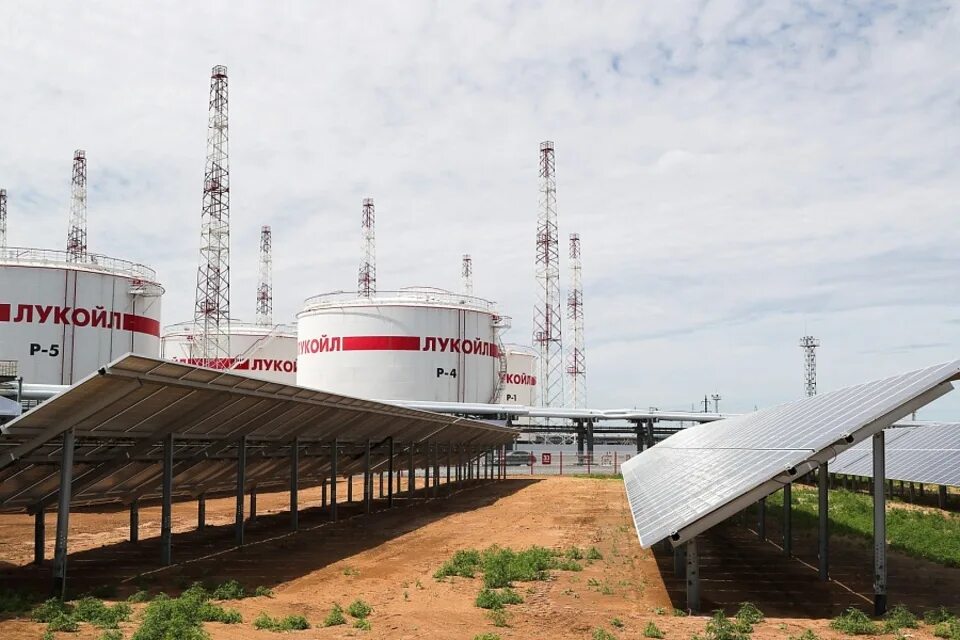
<point>413,344</point>
<point>518,384</point>
<point>62,320</point>
<point>265,352</point>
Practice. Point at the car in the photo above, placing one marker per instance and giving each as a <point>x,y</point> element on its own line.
<point>518,458</point>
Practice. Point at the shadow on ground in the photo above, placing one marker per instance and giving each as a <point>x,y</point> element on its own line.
<point>271,554</point>
<point>736,566</point>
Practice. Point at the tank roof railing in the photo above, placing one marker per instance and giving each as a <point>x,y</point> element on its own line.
<point>282,327</point>
<point>28,256</point>
<point>403,296</point>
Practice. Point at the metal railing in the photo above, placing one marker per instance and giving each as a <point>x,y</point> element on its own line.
<point>403,296</point>
<point>27,256</point>
<point>559,463</point>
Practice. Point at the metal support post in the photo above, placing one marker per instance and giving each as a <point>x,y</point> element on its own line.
<point>241,483</point>
<point>295,484</point>
<point>879,527</point>
<point>253,503</point>
<point>823,513</point>
<point>368,479</point>
<point>166,511</point>
<point>590,439</point>
<point>411,472</point>
<point>580,439</point>
<point>787,523</point>
<point>39,534</point>
<point>762,519</point>
<point>390,472</point>
<point>63,516</point>
<point>942,496</point>
<point>459,462</point>
<point>639,430</point>
<point>334,455</point>
<point>449,454</point>
<point>350,488</point>
<point>201,512</point>
<point>323,491</point>
<point>135,520</point>
<point>693,576</point>
<point>680,561</point>
<point>435,469</point>
<point>380,495</point>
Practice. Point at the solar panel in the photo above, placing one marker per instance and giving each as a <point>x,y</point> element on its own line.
<point>929,454</point>
<point>704,474</point>
<point>121,414</point>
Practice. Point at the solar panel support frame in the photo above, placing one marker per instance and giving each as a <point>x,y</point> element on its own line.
<point>823,515</point>
<point>63,515</point>
<point>295,484</point>
<point>879,526</point>
<point>692,573</point>
<point>815,460</point>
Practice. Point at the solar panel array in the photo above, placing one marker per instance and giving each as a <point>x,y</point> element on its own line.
<point>703,474</point>
<point>929,454</point>
<point>122,414</point>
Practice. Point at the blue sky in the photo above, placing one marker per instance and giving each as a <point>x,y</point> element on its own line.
<point>741,173</point>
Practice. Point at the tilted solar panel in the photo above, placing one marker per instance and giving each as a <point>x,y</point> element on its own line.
<point>929,454</point>
<point>703,474</point>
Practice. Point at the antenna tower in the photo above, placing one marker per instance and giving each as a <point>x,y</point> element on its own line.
<point>576,363</point>
<point>546,316</point>
<point>809,345</point>
<point>77,231</point>
<point>211,342</point>
<point>466,274</point>
<point>3,218</point>
<point>265,287</point>
<point>367,277</point>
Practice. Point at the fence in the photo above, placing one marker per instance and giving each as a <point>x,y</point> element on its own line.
<point>559,463</point>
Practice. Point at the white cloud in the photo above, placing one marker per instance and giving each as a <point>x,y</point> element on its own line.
<point>740,172</point>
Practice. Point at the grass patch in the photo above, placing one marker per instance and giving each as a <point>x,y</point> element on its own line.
<point>351,571</point>
<point>263,592</point>
<point>139,596</point>
<point>749,614</point>
<point>618,623</point>
<point>63,622</point>
<point>949,629</point>
<point>720,627</point>
<point>359,609</point>
<point>497,599</point>
<point>854,622</point>
<point>15,602</point>
<point>183,617</point>
<point>899,617</point>
<point>111,634</point>
<point>50,609</point>
<point>289,623</point>
<point>807,634</point>
<point>602,634</point>
<point>363,624</point>
<point>652,630</point>
<point>335,617</point>
<point>938,615</point>
<point>464,563</point>
<point>229,590</point>
<point>932,536</point>
<point>573,553</point>
<point>594,554</point>
<point>498,617</point>
<point>100,615</point>
<point>487,636</point>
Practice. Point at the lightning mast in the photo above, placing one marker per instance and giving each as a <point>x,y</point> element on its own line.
<point>809,345</point>
<point>576,363</point>
<point>77,231</point>
<point>466,274</point>
<point>211,343</point>
<point>3,218</point>
<point>265,286</point>
<point>367,277</point>
<point>546,316</point>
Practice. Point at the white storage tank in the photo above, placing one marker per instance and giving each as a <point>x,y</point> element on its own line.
<point>62,320</point>
<point>518,384</point>
<point>413,344</point>
<point>260,351</point>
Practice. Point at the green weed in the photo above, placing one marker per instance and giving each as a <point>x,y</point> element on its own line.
<point>289,623</point>
<point>182,618</point>
<point>594,554</point>
<point>111,634</point>
<point>938,615</point>
<point>949,629</point>
<point>63,622</point>
<point>363,624</point>
<point>350,571</point>
<point>464,563</point>
<point>139,596</point>
<point>359,609</point>
<point>12,601</point>
<point>899,617</point>
<point>680,613</point>
<point>602,634</point>
<point>229,590</point>
<point>498,617</point>
<point>262,591</point>
<point>854,622</point>
<point>720,627</point>
<point>50,609</point>
<point>659,611</point>
<point>652,630</point>
<point>749,614</point>
<point>618,623</point>
<point>807,634</point>
<point>573,553</point>
<point>497,599</point>
<point>486,636</point>
<point>335,617</point>
<point>98,614</point>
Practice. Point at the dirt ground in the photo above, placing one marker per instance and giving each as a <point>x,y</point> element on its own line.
<point>388,559</point>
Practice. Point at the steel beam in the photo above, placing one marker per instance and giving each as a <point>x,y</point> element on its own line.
<point>166,501</point>
<point>787,520</point>
<point>63,515</point>
<point>435,470</point>
<point>823,513</point>
<point>879,527</point>
<point>942,496</point>
<point>295,484</point>
<point>201,512</point>
<point>680,561</point>
<point>411,472</point>
<point>449,454</point>
<point>39,535</point>
<point>390,454</point>
<point>693,576</point>
<point>762,519</point>
<point>253,503</point>
<point>367,479</point>
<point>241,483</point>
<point>334,455</point>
